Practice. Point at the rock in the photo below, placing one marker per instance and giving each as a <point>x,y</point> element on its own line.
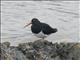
<point>5,45</point>
<point>40,50</point>
<point>11,53</point>
<point>17,55</point>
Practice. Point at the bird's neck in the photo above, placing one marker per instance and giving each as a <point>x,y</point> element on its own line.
<point>37,24</point>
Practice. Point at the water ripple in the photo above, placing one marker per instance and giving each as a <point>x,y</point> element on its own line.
<point>63,11</point>
<point>62,15</point>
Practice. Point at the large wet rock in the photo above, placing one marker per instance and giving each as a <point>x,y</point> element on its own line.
<point>40,50</point>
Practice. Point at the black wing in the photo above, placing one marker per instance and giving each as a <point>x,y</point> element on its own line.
<point>46,29</point>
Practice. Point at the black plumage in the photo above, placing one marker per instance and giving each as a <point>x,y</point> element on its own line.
<point>38,26</point>
<point>40,29</point>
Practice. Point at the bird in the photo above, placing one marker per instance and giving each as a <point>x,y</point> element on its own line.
<point>40,29</point>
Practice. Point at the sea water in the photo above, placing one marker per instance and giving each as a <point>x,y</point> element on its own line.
<point>63,15</point>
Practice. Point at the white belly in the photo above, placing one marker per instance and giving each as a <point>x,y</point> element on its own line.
<point>41,35</point>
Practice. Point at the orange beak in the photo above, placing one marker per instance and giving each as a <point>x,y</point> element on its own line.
<point>27,25</point>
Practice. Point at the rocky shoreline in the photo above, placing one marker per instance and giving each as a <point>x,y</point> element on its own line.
<point>40,50</point>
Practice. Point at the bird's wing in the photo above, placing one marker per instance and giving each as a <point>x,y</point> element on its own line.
<point>46,28</point>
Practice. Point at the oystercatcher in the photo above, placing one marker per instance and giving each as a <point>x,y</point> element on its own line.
<point>40,29</point>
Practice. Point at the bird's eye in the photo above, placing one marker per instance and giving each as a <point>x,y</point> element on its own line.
<point>34,20</point>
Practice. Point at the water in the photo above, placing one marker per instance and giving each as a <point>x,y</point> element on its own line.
<point>63,15</point>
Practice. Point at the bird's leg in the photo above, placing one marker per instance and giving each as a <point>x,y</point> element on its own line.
<point>43,38</point>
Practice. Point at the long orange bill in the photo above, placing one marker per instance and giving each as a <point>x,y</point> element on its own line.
<point>27,25</point>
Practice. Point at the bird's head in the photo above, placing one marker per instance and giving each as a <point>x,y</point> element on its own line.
<point>33,21</point>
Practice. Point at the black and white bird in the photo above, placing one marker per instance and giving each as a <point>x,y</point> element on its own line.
<point>40,29</point>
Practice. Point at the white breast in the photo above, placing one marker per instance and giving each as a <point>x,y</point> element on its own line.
<point>41,35</point>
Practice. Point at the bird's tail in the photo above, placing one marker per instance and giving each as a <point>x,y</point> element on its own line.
<point>54,30</point>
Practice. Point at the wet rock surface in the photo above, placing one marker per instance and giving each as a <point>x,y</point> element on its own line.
<point>40,50</point>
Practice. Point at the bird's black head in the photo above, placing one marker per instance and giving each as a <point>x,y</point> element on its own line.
<point>35,21</point>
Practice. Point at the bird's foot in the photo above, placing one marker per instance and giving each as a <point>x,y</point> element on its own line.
<point>43,38</point>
